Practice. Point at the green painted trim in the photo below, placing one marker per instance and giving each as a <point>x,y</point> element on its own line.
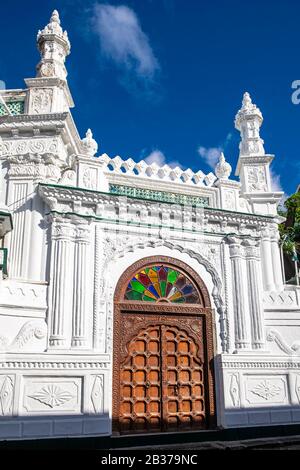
<point>7,214</point>
<point>93,191</point>
<point>3,266</point>
<point>162,196</point>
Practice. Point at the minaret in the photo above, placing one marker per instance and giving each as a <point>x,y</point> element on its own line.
<point>54,46</point>
<point>253,166</point>
<point>49,91</point>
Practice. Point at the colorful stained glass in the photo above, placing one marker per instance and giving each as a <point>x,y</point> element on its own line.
<point>161,283</point>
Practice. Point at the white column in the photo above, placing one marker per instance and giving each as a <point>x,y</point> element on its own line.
<point>60,286</point>
<point>242,336</point>
<point>267,265</point>
<point>254,295</point>
<point>276,260</point>
<point>36,240</point>
<point>81,261</point>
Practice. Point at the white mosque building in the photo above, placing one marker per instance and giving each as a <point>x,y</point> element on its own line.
<point>135,298</point>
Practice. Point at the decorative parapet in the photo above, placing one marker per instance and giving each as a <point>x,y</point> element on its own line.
<point>153,171</point>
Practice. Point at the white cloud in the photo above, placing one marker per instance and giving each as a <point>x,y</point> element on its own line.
<point>158,157</point>
<point>211,154</point>
<point>123,41</point>
<point>275,181</point>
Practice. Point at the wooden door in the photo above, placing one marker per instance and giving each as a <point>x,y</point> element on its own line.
<point>162,377</point>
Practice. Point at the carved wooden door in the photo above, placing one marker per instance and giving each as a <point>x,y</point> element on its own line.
<point>162,378</point>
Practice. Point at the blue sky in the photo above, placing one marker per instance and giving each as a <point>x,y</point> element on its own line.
<point>165,78</point>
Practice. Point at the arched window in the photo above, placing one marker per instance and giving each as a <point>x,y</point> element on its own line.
<point>162,283</point>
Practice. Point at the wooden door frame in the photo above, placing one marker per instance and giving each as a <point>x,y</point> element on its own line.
<point>159,312</point>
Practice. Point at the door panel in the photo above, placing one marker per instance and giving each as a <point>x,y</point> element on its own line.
<point>140,383</point>
<point>162,385</point>
<point>182,380</point>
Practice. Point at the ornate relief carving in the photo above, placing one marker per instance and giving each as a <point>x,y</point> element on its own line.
<point>256,179</point>
<point>234,390</point>
<point>68,178</point>
<point>266,390</point>
<point>89,178</point>
<point>97,394</point>
<point>31,329</point>
<point>6,394</point>
<point>230,200</point>
<point>41,100</point>
<point>52,396</point>
<point>294,349</point>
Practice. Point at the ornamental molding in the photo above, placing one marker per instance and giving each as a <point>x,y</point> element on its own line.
<point>94,204</point>
<point>29,331</point>
<point>260,364</point>
<point>46,364</point>
<point>74,230</point>
<point>28,125</point>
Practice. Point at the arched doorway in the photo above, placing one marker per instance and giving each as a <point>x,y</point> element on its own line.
<point>163,349</point>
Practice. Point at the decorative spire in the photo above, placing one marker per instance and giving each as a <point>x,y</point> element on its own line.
<point>248,121</point>
<point>89,144</point>
<point>223,169</point>
<point>54,46</point>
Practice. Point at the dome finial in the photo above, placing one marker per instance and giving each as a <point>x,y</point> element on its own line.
<point>223,169</point>
<point>89,144</point>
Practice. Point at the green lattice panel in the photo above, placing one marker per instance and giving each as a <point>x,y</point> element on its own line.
<point>162,196</point>
<point>15,107</point>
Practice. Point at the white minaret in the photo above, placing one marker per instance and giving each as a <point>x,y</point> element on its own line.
<point>49,91</point>
<point>253,166</point>
<point>54,46</point>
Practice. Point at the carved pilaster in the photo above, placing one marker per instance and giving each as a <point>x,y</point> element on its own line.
<point>82,242</point>
<point>254,294</point>
<point>267,265</point>
<point>60,288</point>
<point>276,260</point>
<point>242,340</point>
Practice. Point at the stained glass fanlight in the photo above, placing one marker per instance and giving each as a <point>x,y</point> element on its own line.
<point>160,283</point>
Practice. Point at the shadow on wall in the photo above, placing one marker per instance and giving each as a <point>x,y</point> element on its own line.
<point>71,432</point>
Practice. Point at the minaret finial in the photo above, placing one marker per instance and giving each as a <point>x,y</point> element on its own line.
<point>248,121</point>
<point>55,17</point>
<point>54,46</point>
